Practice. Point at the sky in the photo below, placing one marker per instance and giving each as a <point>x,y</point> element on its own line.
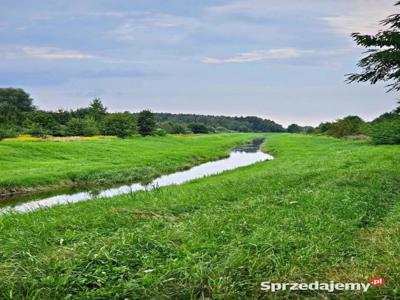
<point>281,60</point>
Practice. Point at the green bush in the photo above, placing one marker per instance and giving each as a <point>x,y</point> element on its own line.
<point>174,127</point>
<point>74,127</point>
<point>294,128</point>
<point>160,132</point>
<point>119,124</point>
<point>37,130</point>
<point>90,127</point>
<point>386,132</point>
<point>198,128</point>
<point>79,127</point>
<point>146,123</point>
<point>349,126</point>
<point>8,132</point>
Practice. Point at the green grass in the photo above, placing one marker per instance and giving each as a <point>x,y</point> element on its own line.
<point>324,210</point>
<point>43,165</point>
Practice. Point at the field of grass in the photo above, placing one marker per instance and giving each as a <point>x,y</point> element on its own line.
<point>41,165</point>
<point>324,210</point>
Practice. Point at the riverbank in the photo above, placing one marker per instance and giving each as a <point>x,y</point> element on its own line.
<point>28,167</point>
<point>323,209</point>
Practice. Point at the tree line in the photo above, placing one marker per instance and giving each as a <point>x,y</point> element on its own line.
<point>18,116</point>
<point>222,123</point>
<point>384,129</point>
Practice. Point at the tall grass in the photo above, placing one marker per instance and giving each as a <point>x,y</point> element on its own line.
<point>42,165</point>
<point>324,210</point>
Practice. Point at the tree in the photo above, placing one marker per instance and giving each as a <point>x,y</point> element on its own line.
<point>383,60</point>
<point>119,124</point>
<point>97,110</point>
<point>294,128</point>
<point>348,126</point>
<point>324,127</point>
<point>173,127</point>
<point>14,102</point>
<point>386,132</point>
<point>40,123</point>
<point>198,128</point>
<point>146,123</point>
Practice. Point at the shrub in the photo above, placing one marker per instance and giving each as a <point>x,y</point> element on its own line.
<point>119,124</point>
<point>8,132</point>
<point>351,125</point>
<point>85,127</point>
<point>294,128</point>
<point>90,127</point>
<point>174,127</point>
<point>160,132</point>
<point>198,128</point>
<point>74,127</point>
<point>386,132</point>
<point>146,123</point>
<point>40,123</point>
<point>37,130</point>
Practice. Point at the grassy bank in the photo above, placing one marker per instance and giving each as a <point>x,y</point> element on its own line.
<point>42,165</point>
<point>323,210</point>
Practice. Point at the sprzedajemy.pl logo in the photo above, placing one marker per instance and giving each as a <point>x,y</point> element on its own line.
<point>330,287</point>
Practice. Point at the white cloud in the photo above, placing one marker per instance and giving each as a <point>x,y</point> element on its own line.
<point>282,53</point>
<point>154,26</point>
<point>343,17</point>
<point>361,16</point>
<point>55,53</point>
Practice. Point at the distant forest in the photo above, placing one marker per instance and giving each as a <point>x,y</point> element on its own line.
<point>221,123</point>
<point>18,115</point>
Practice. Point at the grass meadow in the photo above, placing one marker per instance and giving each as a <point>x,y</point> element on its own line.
<point>29,166</point>
<point>324,209</point>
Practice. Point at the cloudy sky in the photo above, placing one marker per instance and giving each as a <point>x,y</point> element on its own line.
<point>283,60</point>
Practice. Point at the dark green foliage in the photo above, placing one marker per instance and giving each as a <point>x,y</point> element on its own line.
<point>349,126</point>
<point>386,128</point>
<point>294,128</point>
<point>309,129</point>
<point>97,110</point>
<point>146,123</point>
<point>90,127</point>
<point>119,124</point>
<point>383,60</point>
<point>324,127</point>
<point>40,123</point>
<point>160,132</point>
<point>198,128</point>
<point>386,132</point>
<point>386,117</point>
<point>13,103</point>
<point>7,132</point>
<point>220,129</point>
<point>37,130</point>
<point>75,127</point>
<point>85,127</point>
<point>174,127</point>
<point>17,111</point>
<point>241,124</point>
<point>80,113</point>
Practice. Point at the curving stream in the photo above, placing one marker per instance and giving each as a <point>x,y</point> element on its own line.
<point>239,157</point>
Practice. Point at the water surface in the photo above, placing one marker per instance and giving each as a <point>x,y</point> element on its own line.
<point>239,157</point>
